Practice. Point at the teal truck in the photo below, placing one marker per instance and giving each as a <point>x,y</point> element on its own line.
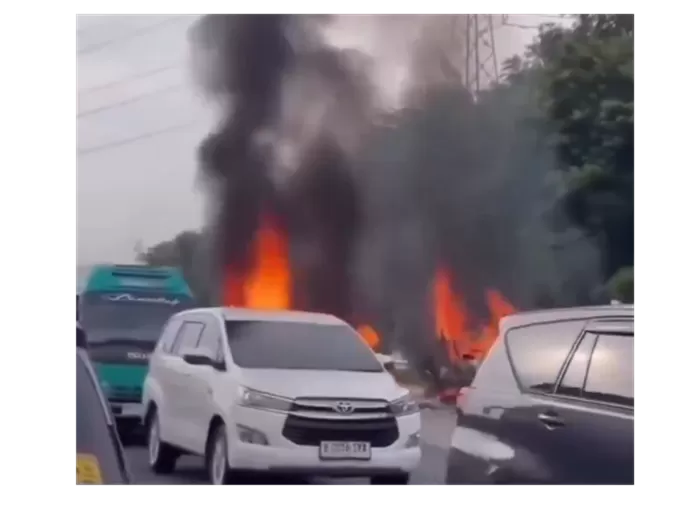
<point>123,308</point>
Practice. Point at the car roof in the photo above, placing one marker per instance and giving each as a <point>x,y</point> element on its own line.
<point>245,314</point>
<point>612,311</point>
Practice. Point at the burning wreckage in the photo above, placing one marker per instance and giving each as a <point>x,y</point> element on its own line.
<point>291,226</point>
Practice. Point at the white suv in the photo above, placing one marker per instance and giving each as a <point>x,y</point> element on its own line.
<point>279,392</point>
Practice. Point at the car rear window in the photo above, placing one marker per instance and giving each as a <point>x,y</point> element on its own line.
<point>538,352</point>
<point>99,459</point>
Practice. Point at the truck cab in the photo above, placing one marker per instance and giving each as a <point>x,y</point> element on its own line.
<point>123,309</point>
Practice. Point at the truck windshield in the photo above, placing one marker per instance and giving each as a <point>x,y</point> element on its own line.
<point>98,459</point>
<point>130,311</point>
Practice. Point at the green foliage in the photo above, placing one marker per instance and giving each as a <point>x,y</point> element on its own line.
<point>587,92</point>
<point>621,285</point>
<point>187,252</point>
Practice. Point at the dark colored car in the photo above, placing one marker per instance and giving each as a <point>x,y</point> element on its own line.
<point>99,454</point>
<point>553,403</point>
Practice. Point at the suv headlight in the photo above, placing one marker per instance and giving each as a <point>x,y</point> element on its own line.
<point>404,405</point>
<point>262,400</point>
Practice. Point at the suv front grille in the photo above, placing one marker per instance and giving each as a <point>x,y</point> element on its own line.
<point>380,432</point>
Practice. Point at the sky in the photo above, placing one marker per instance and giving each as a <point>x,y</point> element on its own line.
<point>140,119</point>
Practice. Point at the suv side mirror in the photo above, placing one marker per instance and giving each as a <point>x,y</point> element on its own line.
<point>197,358</point>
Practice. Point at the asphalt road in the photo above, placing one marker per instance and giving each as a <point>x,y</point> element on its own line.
<point>436,431</point>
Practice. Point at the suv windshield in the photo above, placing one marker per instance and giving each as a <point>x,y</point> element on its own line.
<point>129,311</point>
<point>296,345</point>
<point>98,451</point>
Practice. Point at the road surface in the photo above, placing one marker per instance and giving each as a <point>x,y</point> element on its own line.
<point>437,426</point>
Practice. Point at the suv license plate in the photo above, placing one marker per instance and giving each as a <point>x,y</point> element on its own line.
<point>345,450</point>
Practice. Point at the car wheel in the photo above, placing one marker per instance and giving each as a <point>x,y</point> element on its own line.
<point>217,457</point>
<point>390,479</point>
<point>161,456</point>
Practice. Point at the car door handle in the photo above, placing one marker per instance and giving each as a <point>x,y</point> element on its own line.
<point>550,420</point>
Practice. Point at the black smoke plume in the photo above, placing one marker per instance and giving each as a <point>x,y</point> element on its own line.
<point>302,136</point>
<point>271,73</point>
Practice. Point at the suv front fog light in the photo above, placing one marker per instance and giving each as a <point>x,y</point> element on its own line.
<point>413,440</point>
<point>251,436</point>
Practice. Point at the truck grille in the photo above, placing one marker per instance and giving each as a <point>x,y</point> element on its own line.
<point>381,432</point>
<point>124,394</point>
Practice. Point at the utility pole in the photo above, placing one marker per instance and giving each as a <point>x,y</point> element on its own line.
<point>481,61</point>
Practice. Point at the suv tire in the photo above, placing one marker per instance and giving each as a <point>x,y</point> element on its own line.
<point>161,456</point>
<point>218,469</point>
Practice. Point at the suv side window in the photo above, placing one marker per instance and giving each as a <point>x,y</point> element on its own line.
<point>538,352</point>
<point>611,372</point>
<point>169,334</point>
<point>187,336</point>
<point>575,374</point>
<point>210,340</point>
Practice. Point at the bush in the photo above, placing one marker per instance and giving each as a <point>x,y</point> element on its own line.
<point>621,285</point>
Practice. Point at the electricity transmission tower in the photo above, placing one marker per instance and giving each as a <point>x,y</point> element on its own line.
<point>481,60</point>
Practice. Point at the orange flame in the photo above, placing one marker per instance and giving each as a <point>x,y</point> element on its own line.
<point>370,336</point>
<point>452,321</point>
<point>268,283</point>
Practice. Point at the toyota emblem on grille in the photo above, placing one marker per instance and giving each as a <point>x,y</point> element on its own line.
<point>343,407</point>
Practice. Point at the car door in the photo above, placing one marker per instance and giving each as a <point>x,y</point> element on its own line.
<point>202,382</point>
<point>498,438</point>
<point>159,379</point>
<point>180,393</point>
<point>526,420</point>
<point>595,407</point>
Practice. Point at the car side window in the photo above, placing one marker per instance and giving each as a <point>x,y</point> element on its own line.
<point>610,376</point>
<point>210,340</point>
<point>539,351</point>
<point>187,336</point>
<point>169,334</point>
<point>575,374</point>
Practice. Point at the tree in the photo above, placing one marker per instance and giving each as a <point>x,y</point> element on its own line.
<point>588,95</point>
<point>186,251</point>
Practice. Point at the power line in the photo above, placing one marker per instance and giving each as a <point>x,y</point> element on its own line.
<point>143,136</point>
<point>132,77</point>
<point>130,100</point>
<point>134,33</point>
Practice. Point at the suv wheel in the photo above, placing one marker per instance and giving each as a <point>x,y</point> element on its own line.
<point>217,457</point>
<point>161,456</point>
<point>390,479</point>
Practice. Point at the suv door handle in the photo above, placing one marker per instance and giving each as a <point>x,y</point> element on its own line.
<point>550,420</point>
